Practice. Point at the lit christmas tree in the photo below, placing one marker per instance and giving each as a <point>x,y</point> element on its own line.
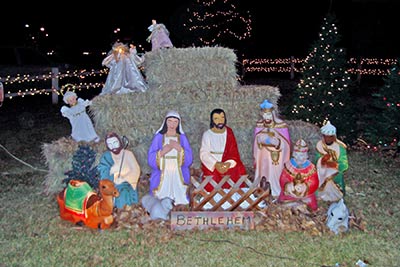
<point>323,92</point>
<point>82,169</point>
<point>216,22</point>
<point>384,128</point>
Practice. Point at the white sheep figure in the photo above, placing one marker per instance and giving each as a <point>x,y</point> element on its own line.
<point>157,208</point>
<point>338,217</point>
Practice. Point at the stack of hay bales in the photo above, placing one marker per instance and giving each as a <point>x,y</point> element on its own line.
<point>192,81</point>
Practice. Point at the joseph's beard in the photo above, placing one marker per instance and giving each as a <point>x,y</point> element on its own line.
<point>116,151</point>
<point>219,125</point>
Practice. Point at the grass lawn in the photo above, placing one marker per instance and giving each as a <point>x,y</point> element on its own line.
<point>32,233</point>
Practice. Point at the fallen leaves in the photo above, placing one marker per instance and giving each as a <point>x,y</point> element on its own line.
<point>276,217</point>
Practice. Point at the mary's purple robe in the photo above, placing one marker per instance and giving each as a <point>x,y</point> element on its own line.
<point>153,160</point>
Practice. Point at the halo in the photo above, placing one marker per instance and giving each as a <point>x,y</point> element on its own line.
<point>69,86</point>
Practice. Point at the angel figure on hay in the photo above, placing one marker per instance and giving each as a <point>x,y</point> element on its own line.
<point>124,75</point>
<point>159,36</point>
<point>82,126</point>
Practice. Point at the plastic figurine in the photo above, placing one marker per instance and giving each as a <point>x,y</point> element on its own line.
<point>332,163</point>
<point>120,166</point>
<point>170,157</point>
<point>299,178</point>
<point>271,147</point>
<point>124,75</point>
<point>158,208</point>
<point>219,154</point>
<point>159,36</point>
<point>82,126</point>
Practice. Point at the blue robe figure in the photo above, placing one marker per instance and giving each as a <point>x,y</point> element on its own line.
<point>120,166</point>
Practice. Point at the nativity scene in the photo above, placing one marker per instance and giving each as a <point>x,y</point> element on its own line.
<point>182,165</point>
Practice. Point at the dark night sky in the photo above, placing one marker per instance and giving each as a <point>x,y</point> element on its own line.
<point>368,27</point>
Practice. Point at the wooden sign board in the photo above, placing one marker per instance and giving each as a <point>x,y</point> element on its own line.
<point>188,220</point>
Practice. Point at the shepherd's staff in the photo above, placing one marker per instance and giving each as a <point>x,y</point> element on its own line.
<point>126,142</point>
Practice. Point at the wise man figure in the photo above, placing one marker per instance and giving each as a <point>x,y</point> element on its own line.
<point>332,163</point>
<point>299,178</point>
<point>271,147</point>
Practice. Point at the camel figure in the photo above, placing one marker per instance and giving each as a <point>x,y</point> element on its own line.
<point>79,204</point>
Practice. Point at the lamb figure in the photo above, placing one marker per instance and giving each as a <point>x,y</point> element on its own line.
<point>338,217</point>
<point>157,208</point>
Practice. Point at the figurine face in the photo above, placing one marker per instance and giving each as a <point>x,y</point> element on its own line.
<point>114,145</point>
<point>268,117</point>
<point>219,120</point>
<point>329,139</point>
<point>300,157</point>
<point>71,100</point>
<point>172,124</point>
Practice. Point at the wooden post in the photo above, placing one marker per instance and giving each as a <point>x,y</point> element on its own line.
<point>243,71</point>
<point>54,85</point>
<point>359,69</point>
<point>292,67</point>
<point>1,94</point>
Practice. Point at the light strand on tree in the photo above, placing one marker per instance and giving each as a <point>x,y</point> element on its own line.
<point>218,23</point>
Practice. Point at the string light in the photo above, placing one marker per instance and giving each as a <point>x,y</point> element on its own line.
<point>216,24</point>
<point>366,66</point>
<point>28,78</point>
<point>48,91</point>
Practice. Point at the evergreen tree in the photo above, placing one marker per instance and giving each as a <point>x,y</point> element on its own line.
<point>82,169</point>
<point>384,126</point>
<point>323,92</point>
<point>216,22</point>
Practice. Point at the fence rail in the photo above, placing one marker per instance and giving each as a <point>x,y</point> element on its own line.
<point>357,66</point>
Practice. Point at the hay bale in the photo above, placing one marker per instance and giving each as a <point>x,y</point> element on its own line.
<point>195,67</point>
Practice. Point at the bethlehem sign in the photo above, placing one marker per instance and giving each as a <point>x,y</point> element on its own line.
<point>212,219</point>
